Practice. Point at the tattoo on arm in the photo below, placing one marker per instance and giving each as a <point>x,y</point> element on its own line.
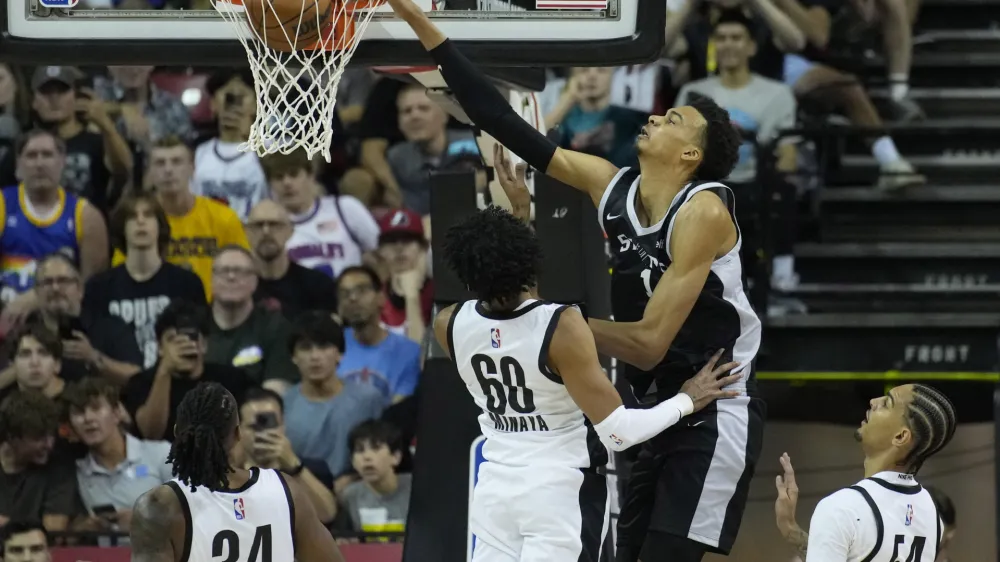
<point>152,521</point>
<point>799,539</point>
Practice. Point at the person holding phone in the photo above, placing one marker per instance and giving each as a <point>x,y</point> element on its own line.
<point>152,396</point>
<point>263,444</point>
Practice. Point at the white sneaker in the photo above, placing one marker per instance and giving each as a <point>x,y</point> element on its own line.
<point>898,174</point>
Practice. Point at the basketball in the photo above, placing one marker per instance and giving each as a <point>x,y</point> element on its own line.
<point>289,25</point>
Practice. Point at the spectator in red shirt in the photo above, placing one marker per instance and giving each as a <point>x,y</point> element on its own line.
<point>409,290</point>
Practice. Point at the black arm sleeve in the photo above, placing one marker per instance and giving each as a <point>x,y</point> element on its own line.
<point>489,110</point>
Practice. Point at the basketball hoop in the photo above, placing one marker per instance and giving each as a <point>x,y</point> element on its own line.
<point>296,86</point>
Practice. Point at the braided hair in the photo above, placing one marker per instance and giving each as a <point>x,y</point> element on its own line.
<point>205,418</point>
<point>932,419</point>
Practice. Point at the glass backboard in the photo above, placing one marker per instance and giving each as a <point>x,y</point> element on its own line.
<point>497,32</point>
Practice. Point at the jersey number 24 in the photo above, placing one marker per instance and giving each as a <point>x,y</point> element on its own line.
<point>229,542</point>
<point>512,392</point>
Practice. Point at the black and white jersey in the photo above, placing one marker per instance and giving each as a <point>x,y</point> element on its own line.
<point>528,416</point>
<point>722,317</point>
<point>255,522</point>
<point>886,518</point>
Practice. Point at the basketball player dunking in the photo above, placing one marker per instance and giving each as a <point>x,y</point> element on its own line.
<point>887,516</point>
<point>677,296</point>
<point>532,368</point>
<point>212,509</point>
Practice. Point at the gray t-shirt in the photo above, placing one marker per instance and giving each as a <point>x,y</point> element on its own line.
<point>412,167</point>
<point>318,430</point>
<point>372,512</point>
<point>763,107</point>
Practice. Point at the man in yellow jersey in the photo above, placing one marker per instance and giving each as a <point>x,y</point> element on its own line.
<point>198,225</point>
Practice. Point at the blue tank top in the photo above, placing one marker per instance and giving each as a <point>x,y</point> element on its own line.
<point>25,239</point>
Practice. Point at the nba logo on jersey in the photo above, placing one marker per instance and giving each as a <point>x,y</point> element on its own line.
<point>495,337</point>
<point>909,514</point>
<point>238,509</point>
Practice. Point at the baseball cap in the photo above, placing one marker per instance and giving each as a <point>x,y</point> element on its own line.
<point>401,224</point>
<point>63,74</point>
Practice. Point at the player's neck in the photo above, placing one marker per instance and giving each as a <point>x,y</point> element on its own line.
<point>521,299</point>
<point>143,263</point>
<point>274,269</point>
<point>112,452</point>
<point>657,188</point>
<point>323,389</point>
<point>238,478</point>
<point>735,78</point>
<point>386,485</point>
<point>881,463</point>
<point>176,203</point>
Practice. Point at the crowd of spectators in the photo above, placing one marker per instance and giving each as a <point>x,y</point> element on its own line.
<point>142,253</point>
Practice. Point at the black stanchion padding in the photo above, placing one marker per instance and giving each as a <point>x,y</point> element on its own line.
<point>453,198</point>
<point>996,452</point>
<point>560,213</point>
<point>436,526</point>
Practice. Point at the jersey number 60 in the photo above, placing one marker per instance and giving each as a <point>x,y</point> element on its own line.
<point>498,395</point>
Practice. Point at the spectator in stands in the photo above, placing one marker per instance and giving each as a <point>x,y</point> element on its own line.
<point>118,467</point>
<point>689,35</point>
<point>352,95</point>
<point>152,396</point>
<point>946,511</point>
<point>828,89</point>
<point>144,284</point>
<point>586,121</point>
<point>221,170</point>
<point>41,218</point>
<point>379,130</point>
<point>264,444</point>
<point>283,284</point>
<point>895,17</point>
<point>379,502</point>
<point>33,485</point>
<point>410,291</point>
<point>387,361</point>
<point>36,356</point>
<point>24,541</point>
<point>330,232</point>
<point>14,118</point>
<point>93,342</point>
<point>199,226</point>
<point>429,145</point>
<point>242,334</point>
<point>145,113</point>
<point>322,409</point>
<point>98,162</point>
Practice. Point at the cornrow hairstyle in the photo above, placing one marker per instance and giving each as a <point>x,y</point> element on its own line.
<point>932,419</point>
<point>205,417</point>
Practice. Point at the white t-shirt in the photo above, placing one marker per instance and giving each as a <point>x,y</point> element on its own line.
<point>222,172</point>
<point>333,235</point>
<point>894,519</point>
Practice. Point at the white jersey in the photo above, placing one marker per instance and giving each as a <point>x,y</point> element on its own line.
<point>239,524</point>
<point>886,518</point>
<point>332,235</point>
<point>528,417</point>
<point>222,172</point>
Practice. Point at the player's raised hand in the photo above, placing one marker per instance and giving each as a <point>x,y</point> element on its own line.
<point>707,386</point>
<point>513,183</point>
<point>788,497</point>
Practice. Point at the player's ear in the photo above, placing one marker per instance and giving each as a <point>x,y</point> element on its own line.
<point>903,437</point>
<point>691,153</point>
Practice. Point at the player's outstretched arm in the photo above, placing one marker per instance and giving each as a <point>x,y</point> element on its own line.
<point>313,542</point>
<point>492,113</point>
<point>573,356</point>
<point>784,507</point>
<point>703,229</point>
<point>157,526</point>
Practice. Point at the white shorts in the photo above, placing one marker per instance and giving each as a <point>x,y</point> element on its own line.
<point>538,514</point>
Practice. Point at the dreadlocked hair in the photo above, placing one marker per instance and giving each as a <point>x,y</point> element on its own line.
<point>494,254</point>
<point>720,143</point>
<point>205,417</point>
<point>931,417</point>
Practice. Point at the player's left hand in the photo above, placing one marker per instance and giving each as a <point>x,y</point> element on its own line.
<point>788,497</point>
<point>513,182</point>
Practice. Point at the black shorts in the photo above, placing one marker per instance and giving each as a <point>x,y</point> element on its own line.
<point>692,480</point>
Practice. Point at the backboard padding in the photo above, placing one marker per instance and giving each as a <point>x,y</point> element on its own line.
<point>642,45</point>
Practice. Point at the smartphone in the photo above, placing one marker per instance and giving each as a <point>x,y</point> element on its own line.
<point>106,511</point>
<point>68,325</point>
<point>82,84</point>
<point>264,421</point>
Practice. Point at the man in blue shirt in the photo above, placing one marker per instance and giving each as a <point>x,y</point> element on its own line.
<point>388,362</point>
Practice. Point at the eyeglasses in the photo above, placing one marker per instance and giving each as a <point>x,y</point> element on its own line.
<point>233,271</point>
<point>53,281</point>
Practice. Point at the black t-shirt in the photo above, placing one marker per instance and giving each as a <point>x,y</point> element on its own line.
<point>300,290</point>
<point>39,490</point>
<point>769,61</point>
<point>110,336</point>
<point>137,390</point>
<point>85,173</point>
<point>138,304</point>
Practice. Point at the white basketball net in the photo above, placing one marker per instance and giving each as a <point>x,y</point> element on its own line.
<point>297,91</point>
